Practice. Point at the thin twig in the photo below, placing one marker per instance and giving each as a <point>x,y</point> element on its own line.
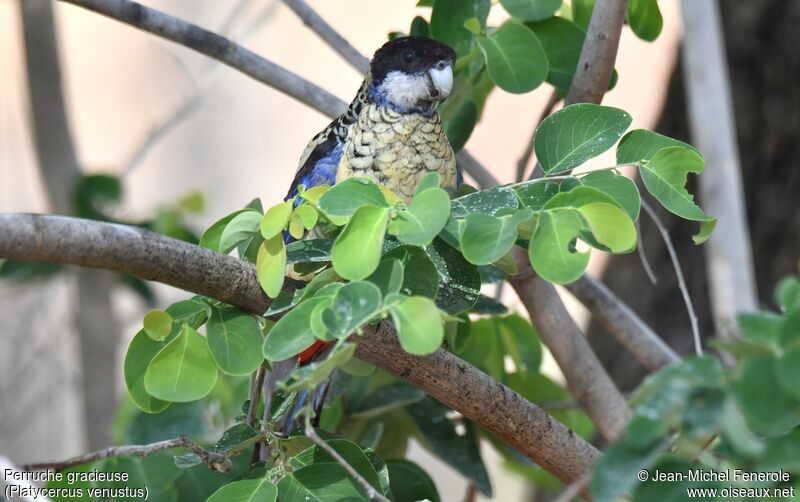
<point>255,395</point>
<point>326,32</point>
<point>698,346</point>
<point>215,460</point>
<point>523,161</point>
<point>372,492</point>
<point>219,48</point>
<point>648,269</point>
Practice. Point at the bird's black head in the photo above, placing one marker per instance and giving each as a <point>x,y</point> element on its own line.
<point>412,74</point>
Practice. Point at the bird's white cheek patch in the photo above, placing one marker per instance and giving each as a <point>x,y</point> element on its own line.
<point>405,90</point>
<point>443,80</point>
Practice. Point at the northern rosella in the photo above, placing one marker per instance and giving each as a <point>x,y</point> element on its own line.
<point>391,132</point>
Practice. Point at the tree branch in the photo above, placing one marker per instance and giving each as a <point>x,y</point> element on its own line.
<point>687,299</point>
<point>326,32</point>
<point>255,395</point>
<point>215,461</point>
<point>586,378</point>
<point>219,48</point>
<point>444,376</point>
<point>598,54</point>
<point>622,323</point>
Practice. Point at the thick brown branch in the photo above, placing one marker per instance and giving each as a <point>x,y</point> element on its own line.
<point>219,48</point>
<point>444,376</point>
<point>216,461</point>
<point>599,52</point>
<point>586,378</point>
<point>622,323</point>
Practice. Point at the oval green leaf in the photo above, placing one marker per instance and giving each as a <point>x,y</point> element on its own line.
<point>531,10</point>
<point>239,229</point>
<point>515,59</point>
<point>485,239</point>
<point>346,197</point>
<point>357,250</point>
<point>292,333</point>
<point>276,219</point>
<point>575,134</point>
<point>424,218</point>
<point>549,250</point>
<point>183,370</point>
<point>141,351</point>
<point>234,339</point>
<point>644,18</point>
<point>664,176</point>
<point>157,324</point>
<point>419,325</point>
<point>610,226</point>
<point>271,265</point>
<point>248,490</point>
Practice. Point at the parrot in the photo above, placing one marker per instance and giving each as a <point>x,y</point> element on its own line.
<point>390,133</point>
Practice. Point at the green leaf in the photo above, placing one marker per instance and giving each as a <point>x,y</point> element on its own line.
<point>234,339</point>
<point>610,226</point>
<point>292,333</point>
<point>549,250</point>
<point>212,237</point>
<point>388,276</point>
<point>521,342</point>
<point>183,370</point>
<point>420,276</point>
<point>326,482</point>
<point>351,453</point>
<point>357,250</point>
<point>576,133</point>
<point>767,412</point>
<point>485,239</point>
<point>665,174</point>
<point>28,270</point>
<point>276,219</point>
<point>240,228</point>
<point>309,251</point>
<point>271,265</point>
<point>193,311</point>
<point>409,483</point>
<point>788,372</point>
<point>644,18</point>
<point>459,450</point>
<point>620,188</point>
<point>308,215</point>
<point>347,196</point>
<point>447,23</point>
<point>430,180</point>
<point>536,193</point>
<point>460,125</point>
<point>484,201</point>
<point>249,490</point>
<point>419,325</point>
<point>562,42</point>
<point>157,324</point>
<point>141,351</point>
<point>531,10</point>
<point>459,280</point>
<point>419,27</point>
<point>787,294</point>
<point>641,144</point>
<point>353,305</point>
<point>312,375</point>
<point>706,229</point>
<point>424,218</point>
<point>515,59</point>
<point>615,472</point>
<point>582,12</point>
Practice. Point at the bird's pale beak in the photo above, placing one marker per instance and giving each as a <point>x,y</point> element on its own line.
<point>442,79</point>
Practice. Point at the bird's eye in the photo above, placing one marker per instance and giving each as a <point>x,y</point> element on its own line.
<point>408,57</point>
